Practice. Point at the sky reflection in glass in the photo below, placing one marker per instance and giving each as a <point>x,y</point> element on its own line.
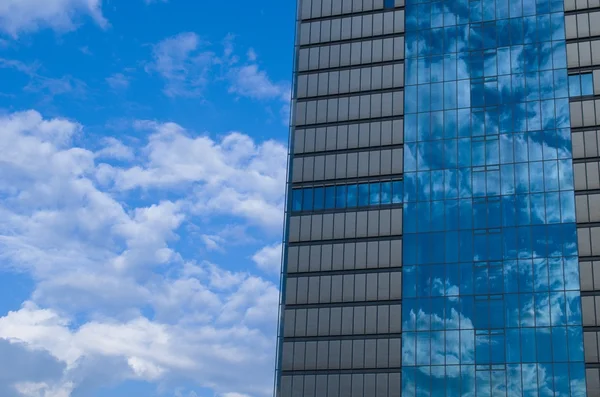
<point>344,196</point>
<point>491,301</point>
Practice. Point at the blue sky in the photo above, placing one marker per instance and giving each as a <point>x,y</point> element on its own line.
<point>143,170</point>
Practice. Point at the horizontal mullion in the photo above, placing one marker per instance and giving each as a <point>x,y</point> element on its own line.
<point>591,328</point>
<point>586,160</point>
<point>582,39</point>
<point>590,293</point>
<point>391,370</point>
<point>582,69</point>
<point>343,304</point>
<point>354,40</point>
<point>350,14</point>
<point>582,11</point>
<point>346,240</point>
<point>584,98</point>
<point>341,337</point>
<point>349,181</point>
<point>350,67</point>
<point>589,258</point>
<point>350,122</point>
<point>586,192</point>
<point>587,128</point>
<point>587,224</point>
<point>348,209</point>
<point>345,272</point>
<point>342,122</point>
<point>350,150</point>
<point>350,94</point>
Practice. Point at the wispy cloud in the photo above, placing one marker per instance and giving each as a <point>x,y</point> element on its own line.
<point>189,65</point>
<point>183,65</point>
<point>29,69</point>
<point>249,81</point>
<point>43,84</point>
<point>118,81</point>
<point>57,86</point>
<point>251,55</point>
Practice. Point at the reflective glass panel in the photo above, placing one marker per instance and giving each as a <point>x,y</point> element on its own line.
<point>489,228</point>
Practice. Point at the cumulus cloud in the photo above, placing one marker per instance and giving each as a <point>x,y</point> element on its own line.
<point>232,175</point>
<point>24,16</point>
<point>42,389</point>
<point>111,290</point>
<point>26,367</point>
<point>115,149</point>
<point>268,258</point>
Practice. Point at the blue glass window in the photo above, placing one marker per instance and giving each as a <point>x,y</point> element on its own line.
<point>388,3</point>
<point>489,226</point>
<point>329,197</point>
<point>318,199</point>
<point>340,196</point>
<point>574,85</point>
<point>347,196</point>
<point>297,200</point>
<point>307,200</point>
<point>581,84</point>
<point>587,84</point>
<point>352,196</point>
<point>363,195</point>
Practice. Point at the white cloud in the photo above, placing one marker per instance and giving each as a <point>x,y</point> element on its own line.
<point>179,61</point>
<point>113,148</point>
<point>42,389</point>
<point>213,242</point>
<point>232,175</point>
<point>188,65</point>
<point>23,16</point>
<point>268,258</point>
<point>111,289</point>
<point>250,81</point>
<point>26,366</point>
<point>118,81</point>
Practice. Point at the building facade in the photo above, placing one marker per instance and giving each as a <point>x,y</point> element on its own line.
<point>443,218</point>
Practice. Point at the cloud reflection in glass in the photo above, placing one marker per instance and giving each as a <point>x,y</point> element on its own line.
<point>491,287</point>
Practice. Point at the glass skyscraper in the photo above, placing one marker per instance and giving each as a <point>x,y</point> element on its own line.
<point>443,216</point>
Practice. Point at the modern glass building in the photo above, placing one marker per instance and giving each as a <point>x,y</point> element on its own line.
<point>443,219</point>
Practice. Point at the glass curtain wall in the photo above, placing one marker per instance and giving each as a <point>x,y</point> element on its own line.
<point>491,300</point>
